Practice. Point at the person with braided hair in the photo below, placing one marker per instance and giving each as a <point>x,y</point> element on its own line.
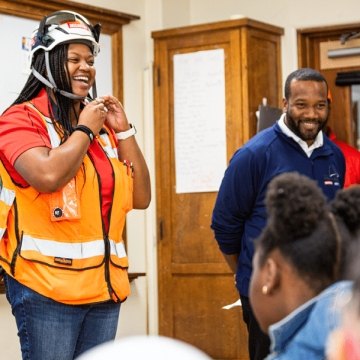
<point>70,171</point>
<point>299,284</point>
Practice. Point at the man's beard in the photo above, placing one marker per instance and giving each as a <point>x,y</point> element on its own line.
<point>294,126</point>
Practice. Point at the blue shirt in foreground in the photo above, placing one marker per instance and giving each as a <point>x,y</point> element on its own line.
<point>303,334</point>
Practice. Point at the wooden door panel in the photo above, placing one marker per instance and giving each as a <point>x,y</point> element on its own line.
<point>193,279</point>
<point>193,242</point>
<point>264,71</point>
<point>208,325</point>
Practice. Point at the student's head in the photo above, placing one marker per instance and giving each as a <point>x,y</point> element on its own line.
<point>306,103</point>
<point>299,252</point>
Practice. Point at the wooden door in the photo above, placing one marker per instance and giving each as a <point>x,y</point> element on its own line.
<point>194,280</point>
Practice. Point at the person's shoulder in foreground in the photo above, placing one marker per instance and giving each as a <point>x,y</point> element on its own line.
<point>344,342</point>
<point>304,333</point>
<point>299,259</point>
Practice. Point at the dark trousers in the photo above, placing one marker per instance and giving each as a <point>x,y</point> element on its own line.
<point>259,343</point>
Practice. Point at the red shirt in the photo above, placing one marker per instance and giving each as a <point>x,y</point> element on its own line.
<point>352,160</point>
<point>22,129</point>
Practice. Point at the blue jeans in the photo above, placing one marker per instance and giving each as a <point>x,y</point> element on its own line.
<point>49,330</point>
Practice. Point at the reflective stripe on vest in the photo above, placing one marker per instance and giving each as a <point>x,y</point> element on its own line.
<point>79,250</point>
<point>53,135</point>
<point>7,196</point>
<point>110,150</point>
<point>6,200</point>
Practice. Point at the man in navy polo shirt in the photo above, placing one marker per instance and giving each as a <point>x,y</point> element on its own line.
<point>295,143</point>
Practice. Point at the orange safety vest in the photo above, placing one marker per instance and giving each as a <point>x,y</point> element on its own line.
<point>55,243</point>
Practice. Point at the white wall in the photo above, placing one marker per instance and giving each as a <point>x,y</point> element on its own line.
<point>139,312</point>
<point>289,14</point>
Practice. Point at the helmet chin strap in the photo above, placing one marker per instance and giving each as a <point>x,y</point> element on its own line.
<point>53,87</point>
<point>51,83</point>
<point>94,92</point>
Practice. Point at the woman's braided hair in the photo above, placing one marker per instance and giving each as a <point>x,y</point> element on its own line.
<point>58,64</point>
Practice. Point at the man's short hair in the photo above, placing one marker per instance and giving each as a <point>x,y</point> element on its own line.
<point>303,74</point>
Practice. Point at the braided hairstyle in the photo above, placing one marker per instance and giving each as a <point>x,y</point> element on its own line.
<point>302,227</point>
<point>58,64</point>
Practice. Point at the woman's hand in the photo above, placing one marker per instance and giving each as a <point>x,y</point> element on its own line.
<point>128,149</point>
<point>94,115</point>
<point>115,117</point>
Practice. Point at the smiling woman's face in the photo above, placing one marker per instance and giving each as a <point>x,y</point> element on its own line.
<point>80,66</point>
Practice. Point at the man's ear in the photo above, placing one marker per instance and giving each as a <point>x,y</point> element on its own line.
<point>272,276</point>
<point>285,104</point>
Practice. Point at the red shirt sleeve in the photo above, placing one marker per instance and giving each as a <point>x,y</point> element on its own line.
<point>20,130</point>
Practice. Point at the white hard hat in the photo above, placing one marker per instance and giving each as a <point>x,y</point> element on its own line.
<point>64,27</point>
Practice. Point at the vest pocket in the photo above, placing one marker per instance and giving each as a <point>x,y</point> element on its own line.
<point>65,204</point>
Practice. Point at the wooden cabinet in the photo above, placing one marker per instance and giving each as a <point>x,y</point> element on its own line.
<point>194,280</point>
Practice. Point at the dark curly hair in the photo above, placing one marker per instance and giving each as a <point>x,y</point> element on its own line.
<point>310,233</point>
<point>346,206</point>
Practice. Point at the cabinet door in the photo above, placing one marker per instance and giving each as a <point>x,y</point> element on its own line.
<point>194,280</point>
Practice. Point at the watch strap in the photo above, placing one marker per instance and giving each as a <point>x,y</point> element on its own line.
<point>126,134</point>
<point>85,130</point>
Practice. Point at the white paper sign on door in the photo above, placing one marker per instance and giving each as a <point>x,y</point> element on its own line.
<point>200,121</point>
